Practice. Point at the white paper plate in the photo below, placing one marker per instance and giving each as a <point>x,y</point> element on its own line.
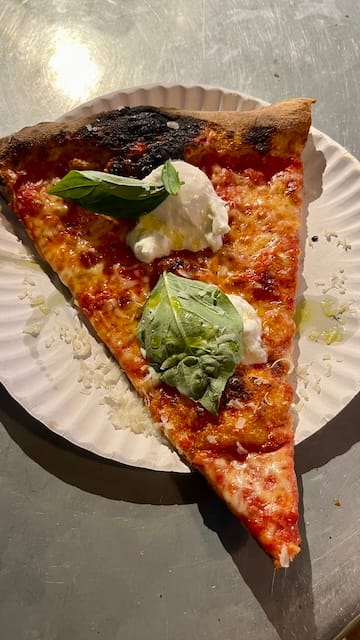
<point>43,376</point>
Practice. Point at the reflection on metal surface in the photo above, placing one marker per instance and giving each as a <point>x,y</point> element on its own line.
<point>74,70</point>
<point>351,631</point>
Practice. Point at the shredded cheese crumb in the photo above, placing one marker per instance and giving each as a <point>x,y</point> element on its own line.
<point>340,242</point>
<point>241,450</point>
<point>288,362</point>
<point>49,341</point>
<point>240,423</point>
<point>81,345</point>
<point>37,301</point>
<point>172,124</point>
<point>284,559</point>
<point>32,329</point>
<point>125,410</point>
<point>298,406</point>
<point>330,234</point>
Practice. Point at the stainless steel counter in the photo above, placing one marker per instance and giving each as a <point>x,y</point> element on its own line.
<point>93,549</point>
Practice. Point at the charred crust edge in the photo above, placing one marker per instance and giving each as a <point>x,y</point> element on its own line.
<point>113,139</point>
<point>142,138</point>
<point>260,138</point>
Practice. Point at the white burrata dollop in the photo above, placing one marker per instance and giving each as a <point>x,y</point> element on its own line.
<point>194,219</point>
<point>253,351</point>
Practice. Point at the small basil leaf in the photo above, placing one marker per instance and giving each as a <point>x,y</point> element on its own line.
<point>116,196</point>
<point>192,335</point>
<point>170,178</point>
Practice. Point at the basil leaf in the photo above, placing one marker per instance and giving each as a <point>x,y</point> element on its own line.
<point>116,196</point>
<point>192,335</point>
<point>170,178</point>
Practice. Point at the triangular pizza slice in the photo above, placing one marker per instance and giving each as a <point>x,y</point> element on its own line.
<point>187,271</point>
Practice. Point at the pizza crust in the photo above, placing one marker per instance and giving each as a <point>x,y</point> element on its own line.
<point>279,129</point>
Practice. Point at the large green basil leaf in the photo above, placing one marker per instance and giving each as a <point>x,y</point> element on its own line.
<point>192,335</point>
<point>117,196</point>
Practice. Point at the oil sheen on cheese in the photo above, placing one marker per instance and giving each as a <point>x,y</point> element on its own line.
<point>194,219</point>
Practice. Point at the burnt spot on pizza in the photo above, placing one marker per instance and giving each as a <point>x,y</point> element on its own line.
<point>89,259</point>
<point>260,138</point>
<point>171,263</point>
<point>266,287</point>
<point>124,300</point>
<point>141,138</point>
<point>280,368</point>
<point>174,264</point>
<point>235,389</point>
<point>33,152</point>
<point>186,264</point>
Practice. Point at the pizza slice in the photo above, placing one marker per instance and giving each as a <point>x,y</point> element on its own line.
<point>177,234</point>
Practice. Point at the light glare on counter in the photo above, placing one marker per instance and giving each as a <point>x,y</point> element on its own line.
<point>75,72</point>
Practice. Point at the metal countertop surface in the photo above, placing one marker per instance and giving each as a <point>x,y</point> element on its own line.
<point>93,549</point>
